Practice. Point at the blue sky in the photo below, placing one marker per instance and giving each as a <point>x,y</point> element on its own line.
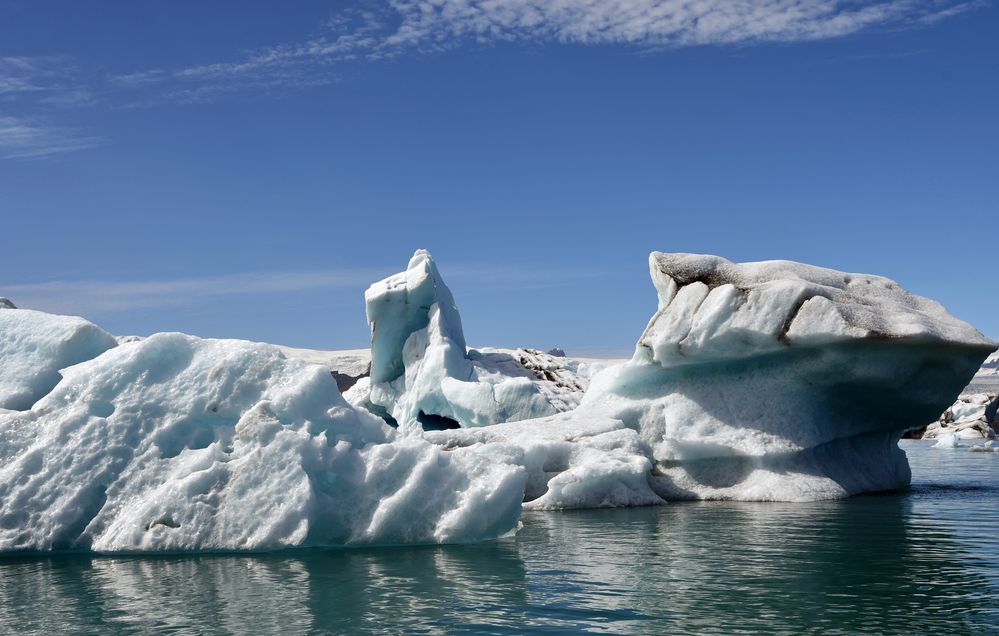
<point>245,169</point>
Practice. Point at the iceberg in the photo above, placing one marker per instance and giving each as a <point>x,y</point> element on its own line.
<point>947,440</point>
<point>783,381</point>
<point>987,378</point>
<point>423,376</point>
<point>179,443</point>
<point>754,381</point>
<point>972,416</point>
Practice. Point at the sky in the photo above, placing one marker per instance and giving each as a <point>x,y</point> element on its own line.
<point>246,169</point>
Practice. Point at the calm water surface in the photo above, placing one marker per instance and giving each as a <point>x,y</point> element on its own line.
<point>924,561</point>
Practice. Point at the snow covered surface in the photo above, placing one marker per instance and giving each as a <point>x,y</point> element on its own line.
<point>34,346</point>
<point>423,375</point>
<point>178,443</point>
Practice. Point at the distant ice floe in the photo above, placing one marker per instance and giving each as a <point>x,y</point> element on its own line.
<point>760,381</point>
<point>947,440</point>
<point>971,417</point>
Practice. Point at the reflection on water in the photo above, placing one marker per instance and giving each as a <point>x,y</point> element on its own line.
<point>922,561</point>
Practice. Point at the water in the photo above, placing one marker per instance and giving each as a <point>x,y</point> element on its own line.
<point>924,561</point>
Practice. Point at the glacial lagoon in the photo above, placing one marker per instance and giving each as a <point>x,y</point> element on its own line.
<point>924,560</point>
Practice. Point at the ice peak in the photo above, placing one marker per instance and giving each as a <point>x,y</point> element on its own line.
<point>422,373</point>
<point>421,257</point>
<point>404,304</point>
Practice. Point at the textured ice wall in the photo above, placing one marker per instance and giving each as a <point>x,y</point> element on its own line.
<point>712,308</point>
<point>573,460</point>
<point>421,371</point>
<point>35,345</point>
<point>178,443</point>
<point>778,380</point>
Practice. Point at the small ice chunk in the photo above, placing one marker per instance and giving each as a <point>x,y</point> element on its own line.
<point>947,440</point>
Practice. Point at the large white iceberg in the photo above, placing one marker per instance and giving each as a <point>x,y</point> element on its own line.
<point>423,375</point>
<point>783,381</point>
<point>179,443</point>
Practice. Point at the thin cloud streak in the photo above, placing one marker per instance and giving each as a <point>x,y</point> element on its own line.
<point>25,139</point>
<point>31,84</point>
<point>102,297</point>
<point>955,10</point>
<point>52,80</point>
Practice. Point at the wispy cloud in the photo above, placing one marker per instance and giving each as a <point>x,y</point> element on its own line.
<point>34,84</point>
<point>349,36</point>
<point>399,27</point>
<point>658,23</point>
<point>102,297</point>
<point>26,139</point>
<point>94,297</point>
<point>19,75</point>
<point>384,29</point>
<point>950,12</point>
<point>50,79</point>
<point>670,23</point>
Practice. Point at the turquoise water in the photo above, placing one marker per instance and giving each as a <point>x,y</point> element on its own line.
<point>924,561</point>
